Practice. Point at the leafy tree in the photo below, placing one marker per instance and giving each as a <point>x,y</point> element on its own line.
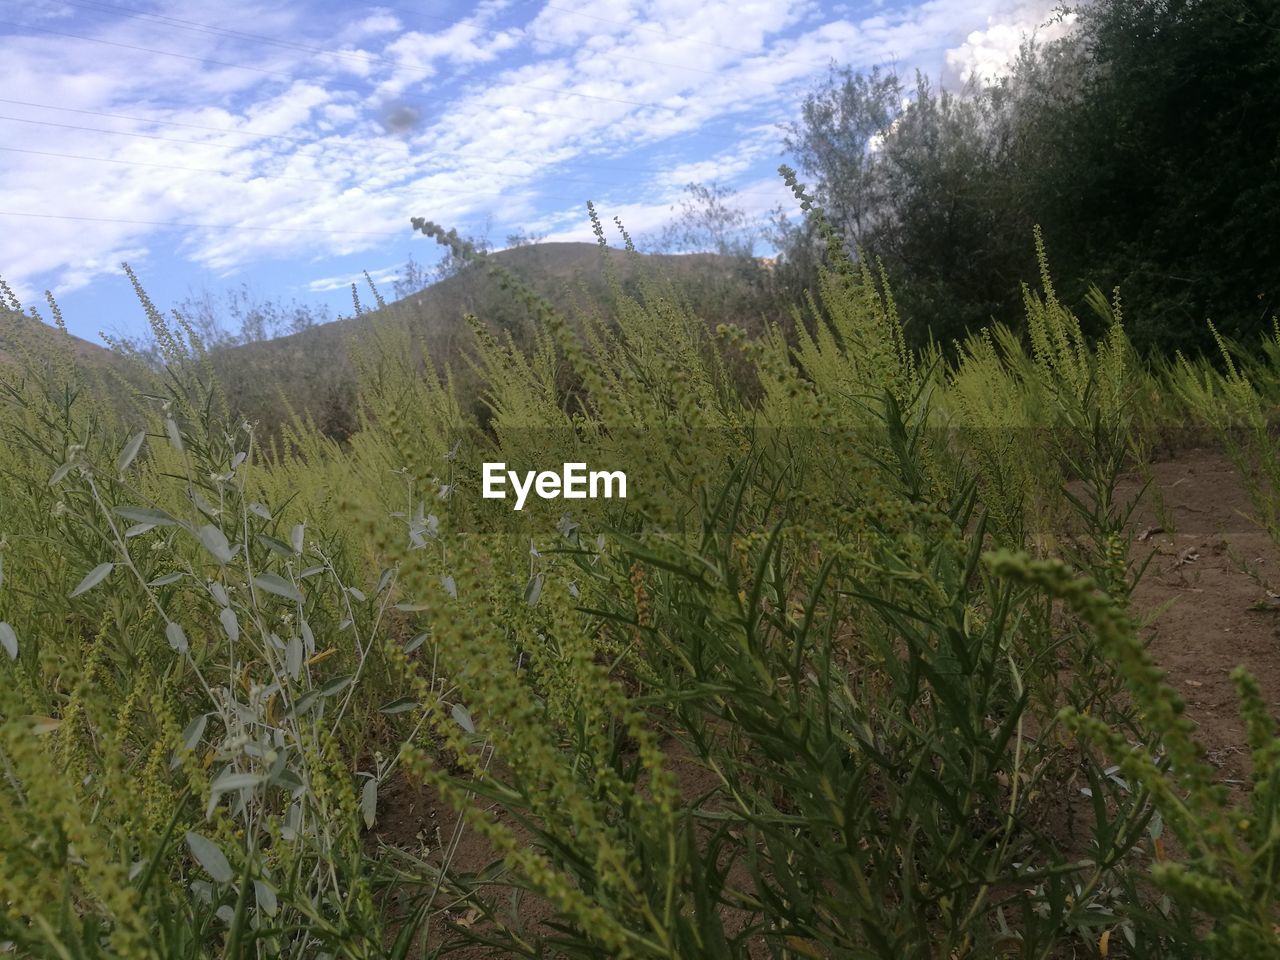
<point>841,124</point>
<point>1146,142</point>
<point>707,221</point>
<point>524,238</point>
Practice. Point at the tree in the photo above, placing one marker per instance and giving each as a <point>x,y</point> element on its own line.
<point>842,122</point>
<point>707,221</point>
<point>524,238</point>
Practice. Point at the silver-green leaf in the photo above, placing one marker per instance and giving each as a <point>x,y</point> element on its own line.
<point>8,640</point>
<point>194,731</point>
<point>266,897</point>
<point>130,451</point>
<point>176,637</point>
<point>274,583</point>
<point>463,716</point>
<point>93,578</point>
<point>146,515</point>
<point>369,802</point>
<point>208,855</point>
<point>402,705</point>
<point>229,623</point>
<point>215,541</point>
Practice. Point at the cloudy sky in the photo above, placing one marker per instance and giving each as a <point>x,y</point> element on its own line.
<point>287,146</point>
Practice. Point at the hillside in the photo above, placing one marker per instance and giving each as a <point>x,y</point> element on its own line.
<point>19,333</point>
<point>313,368</point>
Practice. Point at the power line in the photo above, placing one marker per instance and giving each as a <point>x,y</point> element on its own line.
<point>218,31</point>
<point>272,73</point>
<point>199,226</point>
<point>167,123</point>
<point>212,30</point>
<point>366,58</point>
<point>496,192</point>
<point>253,133</point>
<point>118,133</point>
<point>129,46</point>
<point>165,166</point>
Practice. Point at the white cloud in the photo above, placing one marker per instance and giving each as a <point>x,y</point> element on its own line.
<point>987,54</point>
<point>384,277</point>
<point>478,116</point>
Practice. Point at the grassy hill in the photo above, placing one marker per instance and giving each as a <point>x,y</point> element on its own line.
<point>20,334</point>
<point>313,370</point>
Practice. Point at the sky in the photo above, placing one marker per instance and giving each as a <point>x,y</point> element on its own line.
<point>286,146</point>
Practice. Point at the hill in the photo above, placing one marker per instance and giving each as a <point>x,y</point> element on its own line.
<point>21,334</point>
<point>313,369</point>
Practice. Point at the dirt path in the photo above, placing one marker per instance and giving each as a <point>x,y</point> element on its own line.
<point>1206,588</point>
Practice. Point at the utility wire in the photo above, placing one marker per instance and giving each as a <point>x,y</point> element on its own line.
<point>130,46</point>
<point>501,158</point>
<point>595,184</point>
<point>272,73</point>
<point>395,64</point>
<point>200,226</point>
<point>495,192</point>
<point>358,58</point>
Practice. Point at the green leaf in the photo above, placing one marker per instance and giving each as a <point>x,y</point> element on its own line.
<point>274,583</point>
<point>229,623</point>
<point>60,474</point>
<point>266,897</point>
<point>369,802</point>
<point>403,705</point>
<point>8,640</point>
<point>93,578</point>
<point>215,541</point>
<point>278,547</point>
<point>176,637</point>
<point>450,585</point>
<point>146,515</point>
<point>336,685</point>
<point>293,658</point>
<point>296,538</point>
<point>208,855</point>
<point>235,781</point>
<point>167,579</point>
<point>130,451</point>
<point>304,703</point>
<point>463,717</point>
<point>534,590</point>
<point>415,643</point>
<point>175,438</point>
<point>194,730</point>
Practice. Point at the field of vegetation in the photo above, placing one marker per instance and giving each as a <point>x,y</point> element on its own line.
<point>857,669</point>
<point>946,635</point>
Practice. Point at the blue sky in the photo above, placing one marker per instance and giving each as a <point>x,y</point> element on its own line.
<point>287,146</point>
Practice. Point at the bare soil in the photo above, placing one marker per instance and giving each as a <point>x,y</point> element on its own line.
<point>1208,594</point>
